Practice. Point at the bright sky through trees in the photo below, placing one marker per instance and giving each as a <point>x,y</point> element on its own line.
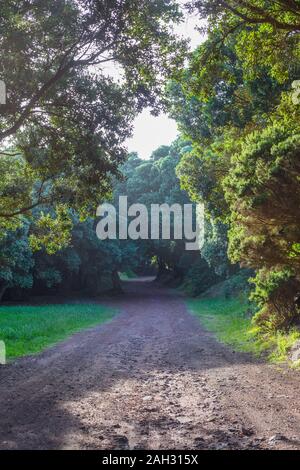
<point>149,131</point>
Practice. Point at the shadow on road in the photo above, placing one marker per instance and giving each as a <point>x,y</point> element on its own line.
<point>91,390</point>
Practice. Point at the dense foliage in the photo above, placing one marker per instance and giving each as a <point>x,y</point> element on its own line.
<point>65,121</point>
<point>155,182</point>
<point>236,104</point>
<point>91,266</point>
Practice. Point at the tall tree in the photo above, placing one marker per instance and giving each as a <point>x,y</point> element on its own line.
<point>282,14</point>
<point>64,115</point>
<point>268,32</point>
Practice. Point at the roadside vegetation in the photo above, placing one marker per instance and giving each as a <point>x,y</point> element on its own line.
<point>30,329</point>
<point>230,319</point>
<point>236,100</point>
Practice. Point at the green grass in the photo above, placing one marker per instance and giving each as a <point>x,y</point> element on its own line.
<point>230,321</point>
<point>30,329</point>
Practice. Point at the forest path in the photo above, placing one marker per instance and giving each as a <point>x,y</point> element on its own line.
<point>152,378</point>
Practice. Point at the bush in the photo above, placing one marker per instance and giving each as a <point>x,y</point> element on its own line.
<point>275,294</point>
<point>199,278</point>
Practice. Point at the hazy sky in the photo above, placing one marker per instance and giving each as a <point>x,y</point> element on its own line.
<point>150,132</point>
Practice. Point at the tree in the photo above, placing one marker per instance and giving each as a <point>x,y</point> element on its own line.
<point>64,116</point>
<point>88,266</point>
<point>216,107</point>
<point>262,189</point>
<point>214,251</point>
<point>282,14</point>
<point>267,32</point>
<point>16,187</point>
<point>155,182</point>
<point>244,159</point>
<point>16,260</point>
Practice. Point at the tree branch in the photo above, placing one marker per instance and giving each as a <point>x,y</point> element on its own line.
<point>10,154</point>
<point>263,17</point>
<point>63,68</point>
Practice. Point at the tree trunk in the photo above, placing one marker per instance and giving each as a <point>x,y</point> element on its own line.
<point>117,286</point>
<point>161,270</point>
<point>3,288</point>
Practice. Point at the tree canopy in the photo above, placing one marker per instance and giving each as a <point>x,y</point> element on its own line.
<point>235,102</point>
<point>267,32</point>
<point>65,118</point>
<point>63,127</point>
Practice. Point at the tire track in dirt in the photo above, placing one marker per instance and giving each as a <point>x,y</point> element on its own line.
<point>152,378</point>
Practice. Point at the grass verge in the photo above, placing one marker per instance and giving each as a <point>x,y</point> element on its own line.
<point>230,321</point>
<point>30,329</point>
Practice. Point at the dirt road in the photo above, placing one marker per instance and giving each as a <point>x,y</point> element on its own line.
<point>150,379</point>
